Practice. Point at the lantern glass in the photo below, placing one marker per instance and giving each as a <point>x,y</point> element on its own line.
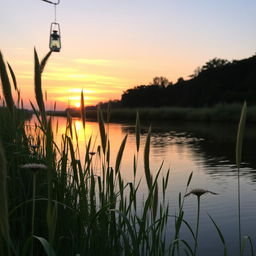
<point>55,42</point>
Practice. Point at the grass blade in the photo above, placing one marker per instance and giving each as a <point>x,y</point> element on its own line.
<point>7,91</point>
<point>47,247</point>
<point>108,112</point>
<point>120,154</point>
<point>137,132</point>
<point>13,76</point>
<point>189,178</point>
<point>44,61</point>
<point>146,160</point>
<point>220,235</point>
<point>155,202</point>
<point>240,134</point>
<point>38,87</point>
<point>69,123</point>
<point>82,108</point>
<point>102,130</point>
<point>239,144</point>
<point>244,245</point>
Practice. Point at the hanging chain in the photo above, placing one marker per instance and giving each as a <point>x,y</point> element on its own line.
<point>55,11</point>
<point>55,7</point>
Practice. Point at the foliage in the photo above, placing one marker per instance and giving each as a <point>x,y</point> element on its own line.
<point>160,81</point>
<point>214,64</point>
<point>216,82</point>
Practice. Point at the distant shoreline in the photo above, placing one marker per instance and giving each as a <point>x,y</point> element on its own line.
<point>218,113</point>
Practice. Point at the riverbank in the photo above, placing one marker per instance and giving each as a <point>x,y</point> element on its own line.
<point>218,113</point>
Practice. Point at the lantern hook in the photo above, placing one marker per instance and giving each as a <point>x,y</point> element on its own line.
<point>50,2</point>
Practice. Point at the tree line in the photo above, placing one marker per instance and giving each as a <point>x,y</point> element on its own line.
<point>217,81</point>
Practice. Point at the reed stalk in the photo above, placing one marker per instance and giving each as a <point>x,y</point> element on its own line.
<point>239,144</point>
<point>197,224</point>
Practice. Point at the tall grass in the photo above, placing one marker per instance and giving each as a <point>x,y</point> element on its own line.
<point>74,210</point>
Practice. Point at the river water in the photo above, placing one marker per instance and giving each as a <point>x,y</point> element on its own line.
<point>207,150</point>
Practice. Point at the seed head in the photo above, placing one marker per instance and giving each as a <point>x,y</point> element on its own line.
<point>34,167</point>
<point>199,192</point>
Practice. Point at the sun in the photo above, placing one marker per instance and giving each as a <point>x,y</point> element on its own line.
<point>77,104</point>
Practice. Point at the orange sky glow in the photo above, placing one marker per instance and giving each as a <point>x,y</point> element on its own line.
<point>111,46</point>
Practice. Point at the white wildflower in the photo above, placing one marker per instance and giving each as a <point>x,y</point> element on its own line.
<point>199,192</point>
<point>34,167</point>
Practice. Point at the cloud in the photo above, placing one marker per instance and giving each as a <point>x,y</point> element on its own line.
<point>23,62</point>
<point>14,48</point>
<point>103,62</point>
<point>75,77</point>
<point>54,69</point>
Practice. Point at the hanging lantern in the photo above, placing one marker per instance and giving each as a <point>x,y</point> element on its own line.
<point>55,43</point>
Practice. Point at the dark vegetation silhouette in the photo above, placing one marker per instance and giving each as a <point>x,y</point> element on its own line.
<point>218,81</point>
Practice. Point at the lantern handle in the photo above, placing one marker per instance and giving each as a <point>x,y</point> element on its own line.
<point>57,25</point>
<point>47,1</point>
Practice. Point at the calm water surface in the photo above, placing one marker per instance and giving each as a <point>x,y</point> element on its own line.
<point>206,149</point>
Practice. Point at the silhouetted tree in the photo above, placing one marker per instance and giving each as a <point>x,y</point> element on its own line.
<point>214,63</point>
<point>160,81</point>
<point>180,80</point>
<point>196,73</point>
<point>218,81</point>
<point>112,103</point>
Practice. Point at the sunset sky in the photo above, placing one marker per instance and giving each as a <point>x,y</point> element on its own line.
<point>110,46</point>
